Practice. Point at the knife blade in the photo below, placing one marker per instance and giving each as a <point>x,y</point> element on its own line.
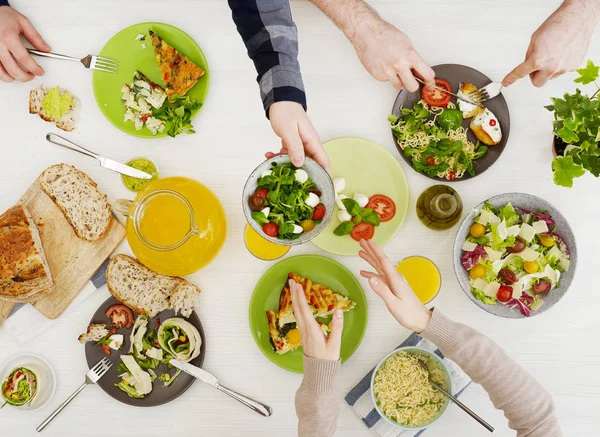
<point>196,372</point>
<point>464,99</point>
<point>209,378</point>
<point>113,165</point>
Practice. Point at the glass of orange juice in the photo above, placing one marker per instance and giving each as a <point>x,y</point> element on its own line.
<point>422,275</point>
<point>261,247</point>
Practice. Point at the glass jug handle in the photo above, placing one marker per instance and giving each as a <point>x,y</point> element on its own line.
<point>124,207</point>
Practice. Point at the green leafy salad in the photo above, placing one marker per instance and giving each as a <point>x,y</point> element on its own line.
<point>514,257</point>
<point>286,202</point>
<point>435,141</point>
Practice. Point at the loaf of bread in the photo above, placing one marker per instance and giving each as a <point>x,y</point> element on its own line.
<point>24,271</point>
<point>86,209</point>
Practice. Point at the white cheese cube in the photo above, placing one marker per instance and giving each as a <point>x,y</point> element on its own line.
<point>484,217</point>
<point>480,284</point>
<point>492,289</point>
<point>527,232</point>
<point>361,199</point>
<point>517,290</point>
<point>338,201</point>
<point>301,176</point>
<point>339,184</point>
<point>493,218</point>
<point>313,200</point>
<point>266,211</point>
<point>513,231</point>
<point>529,254</point>
<point>343,216</point>
<point>469,246</point>
<point>540,227</point>
<point>564,263</point>
<point>502,230</point>
<point>116,341</point>
<point>493,254</point>
<point>297,229</point>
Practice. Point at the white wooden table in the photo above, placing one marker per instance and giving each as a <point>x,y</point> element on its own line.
<point>232,135</point>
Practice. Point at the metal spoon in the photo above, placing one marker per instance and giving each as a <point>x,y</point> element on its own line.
<point>486,425</point>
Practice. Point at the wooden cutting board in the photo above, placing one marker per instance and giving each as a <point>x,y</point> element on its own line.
<point>72,260</point>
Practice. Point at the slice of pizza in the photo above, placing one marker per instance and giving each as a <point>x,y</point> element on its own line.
<point>178,72</point>
<point>321,299</point>
<point>287,338</point>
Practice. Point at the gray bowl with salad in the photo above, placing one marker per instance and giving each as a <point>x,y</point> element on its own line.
<point>287,205</point>
<point>515,255</point>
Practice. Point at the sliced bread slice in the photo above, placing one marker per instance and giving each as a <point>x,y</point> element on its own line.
<point>95,332</point>
<point>85,208</point>
<point>184,299</point>
<point>24,270</point>
<point>66,122</point>
<point>138,287</point>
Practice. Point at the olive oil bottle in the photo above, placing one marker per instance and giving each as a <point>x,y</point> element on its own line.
<point>439,207</point>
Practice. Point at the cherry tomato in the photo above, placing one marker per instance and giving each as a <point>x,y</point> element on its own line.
<point>315,191</point>
<point>430,160</point>
<point>477,230</point>
<point>144,118</point>
<point>504,293</point>
<point>120,316</point>
<point>547,240</point>
<point>271,229</point>
<point>518,247</point>
<point>363,231</point>
<point>507,276</point>
<point>543,286</point>
<point>383,206</point>
<point>493,122</point>
<point>262,192</point>
<point>105,349</point>
<point>477,271</point>
<point>436,97</point>
<point>531,266</point>
<point>256,202</point>
<point>307,225</point>
<point>319,212</point>
<point>451,175</point>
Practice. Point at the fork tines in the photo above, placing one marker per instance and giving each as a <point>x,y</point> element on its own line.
<point>106,65</point>
<point>102,366</point>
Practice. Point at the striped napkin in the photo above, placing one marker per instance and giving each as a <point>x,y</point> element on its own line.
<point>25,322</point>
<point>359,398</point>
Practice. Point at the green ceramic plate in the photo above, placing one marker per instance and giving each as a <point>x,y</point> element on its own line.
<point>368,169</point>
<point>324,271</point>
<point>131,56</point>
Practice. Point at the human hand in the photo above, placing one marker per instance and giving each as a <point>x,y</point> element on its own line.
<point>315,343</point>
<point>298,136</point>
<point>558,45</point>
<point>391,286</point>
<point>15,62</point>
<point>388,55</point>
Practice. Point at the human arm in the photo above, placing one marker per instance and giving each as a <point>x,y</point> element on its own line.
<point>385,52</point>
<point>559,44</point>
<point>316,406</point>
<point>271,38</point>
<point>525,403</point>
<point>15,62</point>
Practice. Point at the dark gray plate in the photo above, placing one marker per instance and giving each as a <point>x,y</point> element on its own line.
<point>160,394</point>
<point>455,73</point>
<point>531,203</point>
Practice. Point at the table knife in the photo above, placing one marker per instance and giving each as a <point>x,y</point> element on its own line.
<point>464,99</point>
<point>210,379</point>
<point>110,164</point>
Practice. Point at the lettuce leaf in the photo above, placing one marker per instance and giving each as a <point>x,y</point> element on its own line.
<point>480,295</point>
<point>509,214</point>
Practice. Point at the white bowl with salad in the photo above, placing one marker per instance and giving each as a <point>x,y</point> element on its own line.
<point>515,255</point>
<point>287,205</point>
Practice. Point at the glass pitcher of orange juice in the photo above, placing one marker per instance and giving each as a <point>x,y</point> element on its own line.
<point>175,226</point>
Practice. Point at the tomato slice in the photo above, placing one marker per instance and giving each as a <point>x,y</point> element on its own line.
<point>120,316</point>
<point>435,97</point>
<point>383,206</point>
<point>363,231</point>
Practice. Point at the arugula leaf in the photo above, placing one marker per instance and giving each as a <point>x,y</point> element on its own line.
<point>587,74</point>
<point>565,170</point>
<point>179,114</point>
<point>344,229</point>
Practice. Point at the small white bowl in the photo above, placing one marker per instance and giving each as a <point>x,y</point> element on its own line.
<point>45,376</point>
<point>429,355</point>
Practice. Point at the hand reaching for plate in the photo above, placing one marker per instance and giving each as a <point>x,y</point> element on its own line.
<point>391,286</point>
<point>298,136</point>
<point>559,44</point>
<point>15,62</point>
<point>315,343</point>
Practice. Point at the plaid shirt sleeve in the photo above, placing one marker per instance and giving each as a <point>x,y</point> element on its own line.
<point>270,35</point>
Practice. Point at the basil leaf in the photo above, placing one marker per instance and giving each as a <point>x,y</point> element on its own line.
<point>344,229</point>
<point>351,206</point>
<point>372,219</point>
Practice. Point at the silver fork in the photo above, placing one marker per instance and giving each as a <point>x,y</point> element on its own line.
<point>487,92</point>
<point>94,62</point>
<point>95,373</point>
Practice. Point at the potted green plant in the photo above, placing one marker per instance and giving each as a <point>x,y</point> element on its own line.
<point>576,128</point>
